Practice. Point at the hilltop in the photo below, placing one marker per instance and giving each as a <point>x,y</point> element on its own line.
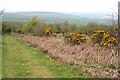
<point>54,17</point>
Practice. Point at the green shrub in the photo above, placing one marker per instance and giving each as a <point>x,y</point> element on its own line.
<point>11,27</point>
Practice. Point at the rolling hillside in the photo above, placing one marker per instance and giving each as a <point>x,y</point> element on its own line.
<point>51,17</point>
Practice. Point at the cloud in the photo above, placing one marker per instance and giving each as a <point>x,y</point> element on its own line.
<point>60,5</point>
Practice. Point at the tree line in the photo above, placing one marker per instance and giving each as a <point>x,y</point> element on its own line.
<point>36,27</point>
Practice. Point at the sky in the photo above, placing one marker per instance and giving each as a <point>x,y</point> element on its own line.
<point>59,5</point>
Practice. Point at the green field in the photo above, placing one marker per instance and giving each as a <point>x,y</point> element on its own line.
<point>20,60</point>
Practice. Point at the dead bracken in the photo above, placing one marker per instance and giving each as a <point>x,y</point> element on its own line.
<point>83,53</point>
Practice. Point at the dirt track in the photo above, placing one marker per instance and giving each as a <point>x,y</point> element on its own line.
<point>72,54</point>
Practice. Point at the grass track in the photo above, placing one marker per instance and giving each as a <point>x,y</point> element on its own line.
<point>22,61</point>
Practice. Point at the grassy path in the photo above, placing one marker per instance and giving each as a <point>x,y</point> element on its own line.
<point>18,60</point>
<point>22,61</point>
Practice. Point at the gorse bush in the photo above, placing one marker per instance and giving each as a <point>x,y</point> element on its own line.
<point>48,31</point>
<point>97,36</point>
<point>103,38</point>
<point>75,38</point>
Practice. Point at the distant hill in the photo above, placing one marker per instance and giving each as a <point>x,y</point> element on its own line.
<point>51,17</point>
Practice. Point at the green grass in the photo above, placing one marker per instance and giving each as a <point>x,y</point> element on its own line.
<point>23,61</point>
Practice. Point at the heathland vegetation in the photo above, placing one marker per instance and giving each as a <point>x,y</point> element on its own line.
<point>73,44</point>
<point>36,27</point>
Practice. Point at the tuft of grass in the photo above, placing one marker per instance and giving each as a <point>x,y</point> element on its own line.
<point>112,66</point>
<point>23,73</point>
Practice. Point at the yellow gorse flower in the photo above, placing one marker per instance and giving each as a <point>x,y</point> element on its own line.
<point>48,31</point>
<point>93,36</point>
<point>99,31</point>
<point>106,36</point>
<point>76,38</point>
<point>103,38</point>
<point>113,40</point>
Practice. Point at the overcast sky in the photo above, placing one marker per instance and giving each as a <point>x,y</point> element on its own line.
<point>59,5</point>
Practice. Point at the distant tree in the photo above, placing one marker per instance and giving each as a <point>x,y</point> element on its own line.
<point>58,28</point>
<point>40,30</point>
<point>11,27</point>
<point>82,29</point>
<point>32,25</point>
<point>91,26</point>
<point>66,26</point>
<point>73,28</point>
